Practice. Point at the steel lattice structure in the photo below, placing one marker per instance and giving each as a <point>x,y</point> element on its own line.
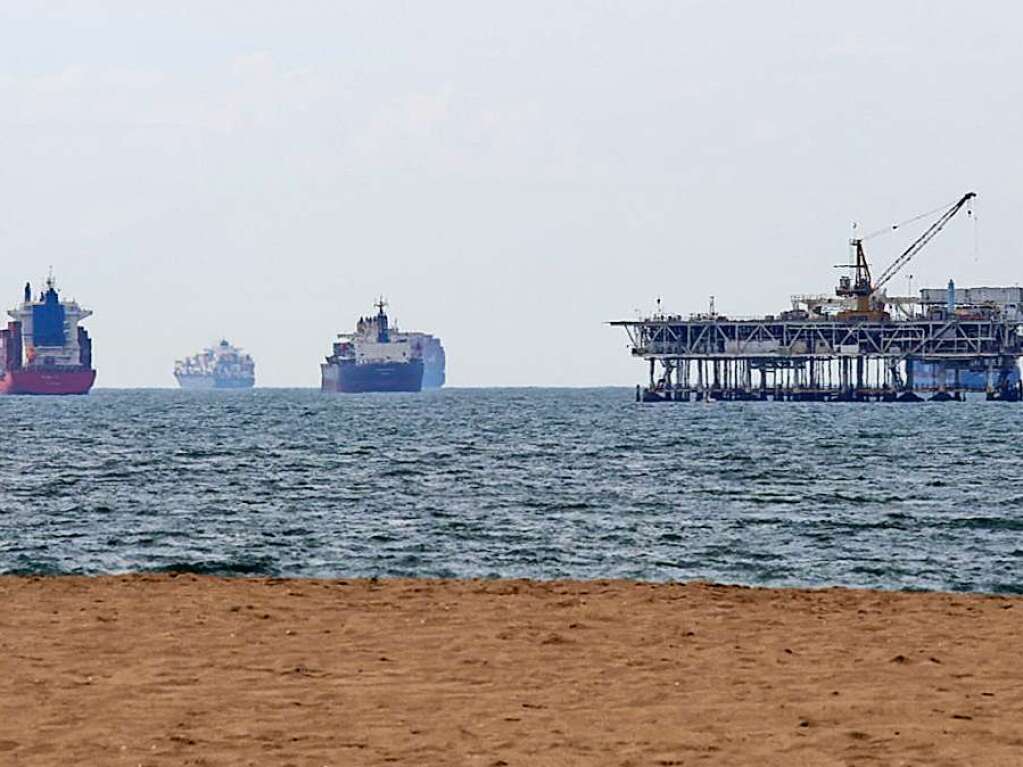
<point>821,358</point>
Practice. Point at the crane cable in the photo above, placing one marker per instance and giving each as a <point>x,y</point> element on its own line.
<point>895,227</point>
<point>976,237</point>
<point>922,240</point>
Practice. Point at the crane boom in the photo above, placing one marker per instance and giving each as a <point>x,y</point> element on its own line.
<point>920,241</point>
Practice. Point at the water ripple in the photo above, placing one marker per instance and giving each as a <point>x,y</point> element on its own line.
<point>517,483</point>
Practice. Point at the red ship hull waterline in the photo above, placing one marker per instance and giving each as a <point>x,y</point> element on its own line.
<point>47,382</point>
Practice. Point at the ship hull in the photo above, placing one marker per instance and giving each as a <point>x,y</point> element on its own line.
<point>353,378</point>
<point>928,376</point>
<point>210,382</point>
<point>42,381</point>
<point>433,372</point>
<point>433,360</point>
<point>434,380</point>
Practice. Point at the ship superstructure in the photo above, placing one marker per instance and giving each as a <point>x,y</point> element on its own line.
<point>375,358</point>
<point>222,366</point>
<point>43,350</point>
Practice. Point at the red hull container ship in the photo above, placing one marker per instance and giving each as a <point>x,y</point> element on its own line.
<point>43,350</point>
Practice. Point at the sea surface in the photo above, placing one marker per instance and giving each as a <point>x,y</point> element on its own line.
<point>539,483</point>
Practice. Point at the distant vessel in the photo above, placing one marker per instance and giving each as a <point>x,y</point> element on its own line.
<point>433,359</point>
<point>375,358</point>
<point>952,303</point>
<point>220,367</point>
<point>43,350</point>
<point>935,376</point>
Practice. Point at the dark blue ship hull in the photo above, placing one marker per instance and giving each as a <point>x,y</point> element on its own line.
<point>353,378</point>
<point>932,376</point>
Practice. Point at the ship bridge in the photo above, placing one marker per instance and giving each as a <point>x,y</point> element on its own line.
<point>49,328</point>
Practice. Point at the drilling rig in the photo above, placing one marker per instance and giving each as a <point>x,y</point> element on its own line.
<point>870,300</point>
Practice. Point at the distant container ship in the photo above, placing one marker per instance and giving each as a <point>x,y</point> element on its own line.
<point>433,359</point>
<point>948,303</point>
<point>221,367</point>
<point>43,350</point>
<point>935,377</point>
<point>379,358</point>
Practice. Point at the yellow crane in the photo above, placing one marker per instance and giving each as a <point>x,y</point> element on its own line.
<point>870,306</point>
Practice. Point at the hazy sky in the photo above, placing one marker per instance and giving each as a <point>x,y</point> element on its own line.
<point>510,175</point>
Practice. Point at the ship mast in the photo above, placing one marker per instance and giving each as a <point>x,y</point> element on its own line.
<point>383,334</point>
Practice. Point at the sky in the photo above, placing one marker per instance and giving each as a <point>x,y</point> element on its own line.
<point>510,176</point>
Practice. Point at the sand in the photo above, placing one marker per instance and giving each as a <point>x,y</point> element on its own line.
<point>190,670</point>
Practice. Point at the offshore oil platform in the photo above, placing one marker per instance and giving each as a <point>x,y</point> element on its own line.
<point>859,345</point>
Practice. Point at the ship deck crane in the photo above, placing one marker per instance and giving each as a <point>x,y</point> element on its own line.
<point>870,304</point>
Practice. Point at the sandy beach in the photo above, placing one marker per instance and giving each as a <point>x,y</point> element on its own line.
<point>192,670</point>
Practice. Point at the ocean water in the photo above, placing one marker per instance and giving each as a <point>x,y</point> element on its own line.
<point>514,482</point>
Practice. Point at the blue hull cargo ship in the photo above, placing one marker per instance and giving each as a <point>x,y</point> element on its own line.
<point>375,358</point>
